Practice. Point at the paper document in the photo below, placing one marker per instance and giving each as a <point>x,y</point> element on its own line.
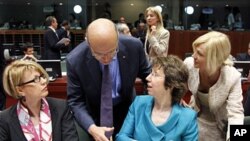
<point>63,40</point>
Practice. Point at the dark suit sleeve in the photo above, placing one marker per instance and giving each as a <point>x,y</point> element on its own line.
<point>51,40</point>
<point>76,97</point>
<point>4,133</point>
<point>144,66</point>
<point>69,132</point>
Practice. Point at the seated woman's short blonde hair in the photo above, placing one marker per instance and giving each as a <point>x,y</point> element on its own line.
<point>14,72</point>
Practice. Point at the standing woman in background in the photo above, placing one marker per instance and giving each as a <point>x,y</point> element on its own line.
<point>215,86</point>
<point>157,38</point>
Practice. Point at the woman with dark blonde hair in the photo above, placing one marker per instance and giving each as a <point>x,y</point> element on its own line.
<point>157,38</point>
<point>34,117</point>
<point>215,85</point>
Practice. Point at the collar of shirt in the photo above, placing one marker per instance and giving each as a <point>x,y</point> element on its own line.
<point>52,29</point>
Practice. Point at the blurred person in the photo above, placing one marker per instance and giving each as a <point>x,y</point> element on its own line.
<point>52,42</point>
<point>157,37</point>
<point>64,32</point>
<point>74,23</point>
<point>125,57</point>
<point>35,116</point>
<point>141,32</point>
<point>123,29</point>
<point>229,17</point>
<point>237,17</point>
<point>167,22</point>
<point>215,86</point>
<point>28,51</point>
<point>122,20</point>
<point>244,56</point>
<point>140,20</point>
<point>159,116</point>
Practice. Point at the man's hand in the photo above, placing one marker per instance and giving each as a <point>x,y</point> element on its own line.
<point>29,57</point>
<point>66,43</point>
<point>99,132</point>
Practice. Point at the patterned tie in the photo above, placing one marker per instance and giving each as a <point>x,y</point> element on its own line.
<point>106,100</point>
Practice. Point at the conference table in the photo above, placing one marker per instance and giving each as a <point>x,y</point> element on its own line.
<point>58,89</point>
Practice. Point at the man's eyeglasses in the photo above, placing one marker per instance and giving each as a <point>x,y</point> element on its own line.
<point>110,54</point>
<point>37,79</point>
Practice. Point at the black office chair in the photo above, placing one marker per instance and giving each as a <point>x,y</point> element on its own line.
<point>247,103</point>
<point>247,120</point>
<point>188,54</point>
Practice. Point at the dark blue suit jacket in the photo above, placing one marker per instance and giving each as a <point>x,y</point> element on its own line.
<point>85,77</point>
<point>63,127</point>
<point>62,33</point>
<point>51,48</point>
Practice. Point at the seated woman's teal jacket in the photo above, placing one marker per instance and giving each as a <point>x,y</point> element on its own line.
<point>180,126</point>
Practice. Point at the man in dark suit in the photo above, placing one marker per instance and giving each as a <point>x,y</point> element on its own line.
<point>51,40</point>
<point>244,56</point>
<point>127,60</point>
<point>64,32</point>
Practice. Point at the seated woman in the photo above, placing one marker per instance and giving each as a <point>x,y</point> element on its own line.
<point>159,116</point>
<point>34,117</point>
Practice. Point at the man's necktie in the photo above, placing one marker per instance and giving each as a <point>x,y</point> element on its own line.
<point>106,100</point>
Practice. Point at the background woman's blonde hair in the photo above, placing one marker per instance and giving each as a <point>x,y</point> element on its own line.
<point>218,49</point>
<point>14,72</point>
<point>157,12</point>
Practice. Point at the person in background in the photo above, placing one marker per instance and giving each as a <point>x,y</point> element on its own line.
<point>52,44</point>
<point>244,56</point>
<point>140,20</point>
<point>229,17</point>
<point>237,17</point>
<point>74,23</point>
<point>167,22</point>
<point>141,32</point>
<point>159,116</point>
<point>215,86</point>
<point>123,29</point>
<point>157,37</point>
<point>35,116</point>
<point>64,32</point>
<point>122,20</point>
<point>85,64</point>
<point>28,51</point>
